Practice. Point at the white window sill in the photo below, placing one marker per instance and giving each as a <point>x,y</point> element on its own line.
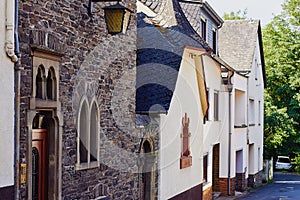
<point>90,165</point>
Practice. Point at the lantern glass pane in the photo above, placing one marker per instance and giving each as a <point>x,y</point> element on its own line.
<point>114,20</point>
<point>126,20</point>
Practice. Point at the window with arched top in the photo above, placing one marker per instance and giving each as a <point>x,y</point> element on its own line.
<point>39,83</point>
<point>93,132</point>
<point>51,84</point>
<point>88,122</point>
<point>83,132</point>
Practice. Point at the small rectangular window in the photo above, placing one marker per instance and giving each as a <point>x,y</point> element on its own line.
<point>214,41</point>
<point>216,106</point>
<point>206,117</point>
<point>240,111</point>
<point>203,29</point>
<point>258,157</point>
<point>259,113</point>
<point>205,165</point>
<point>251,112</point>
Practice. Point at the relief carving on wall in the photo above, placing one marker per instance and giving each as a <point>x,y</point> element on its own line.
<point>185,158</point>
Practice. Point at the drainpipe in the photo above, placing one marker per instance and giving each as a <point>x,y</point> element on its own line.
<point>9,35</point>
<point>18,68</point>
<point>229,88</point>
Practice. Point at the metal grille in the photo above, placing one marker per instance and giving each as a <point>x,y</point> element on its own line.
<point>35,173</point>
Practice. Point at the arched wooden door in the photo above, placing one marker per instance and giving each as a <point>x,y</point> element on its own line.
<point>39,165</point>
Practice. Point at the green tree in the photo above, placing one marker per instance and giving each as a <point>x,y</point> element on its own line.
<point>236,15</point>
<point>281,40</point>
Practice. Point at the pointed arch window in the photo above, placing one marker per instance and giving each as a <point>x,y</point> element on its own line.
<point>51,84</point>
<point>40,83</point>
<point>45,86</point>
<point>83,133</point>
<point>93,132</point>
<point>88,133</point>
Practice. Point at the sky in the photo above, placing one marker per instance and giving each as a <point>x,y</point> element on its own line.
<point>257,9</point>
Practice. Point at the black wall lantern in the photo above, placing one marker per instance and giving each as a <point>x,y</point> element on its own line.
<point>117,17</point>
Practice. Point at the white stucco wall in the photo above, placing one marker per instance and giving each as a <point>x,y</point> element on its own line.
<point>174,180</point>
<point>256,93</point>
<point>6,108</point>
<point>213,130</point>
<point>239,135</point>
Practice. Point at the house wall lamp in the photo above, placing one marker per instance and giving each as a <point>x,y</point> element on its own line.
<point>116,16</point>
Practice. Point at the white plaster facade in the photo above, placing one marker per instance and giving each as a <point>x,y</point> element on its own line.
<point>246,125</point>
<point>214,129</point>
<point>172,179</point>
<point>256,112</point>
<point>7,96</point>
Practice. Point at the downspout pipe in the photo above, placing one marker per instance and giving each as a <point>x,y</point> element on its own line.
<point>18,69</point>
<point>229,88</point>
<point>9,35</point>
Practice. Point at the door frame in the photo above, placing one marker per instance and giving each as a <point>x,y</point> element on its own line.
<point>39,141</point>
<point>56,117</point>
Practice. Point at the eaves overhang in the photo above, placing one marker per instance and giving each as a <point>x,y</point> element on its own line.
<point>212,13</point>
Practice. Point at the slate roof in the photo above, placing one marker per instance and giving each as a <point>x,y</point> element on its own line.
<point>159,55</point>
<point>193,14</point>
<point>154,5</point>
<point>237,42</point>
<point>192,11</point>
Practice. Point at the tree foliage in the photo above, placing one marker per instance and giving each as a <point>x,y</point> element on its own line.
<point>236,15</point>
<point>281,40</point>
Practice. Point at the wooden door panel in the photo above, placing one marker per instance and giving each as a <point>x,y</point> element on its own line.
<point>39,152</point>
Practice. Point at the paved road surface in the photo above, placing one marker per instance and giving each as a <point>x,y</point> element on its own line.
<point>286,186</point>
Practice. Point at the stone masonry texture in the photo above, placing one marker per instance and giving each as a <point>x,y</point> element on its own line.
<point>256,179</point>
<point>241,182</point>
<point>94,64</point>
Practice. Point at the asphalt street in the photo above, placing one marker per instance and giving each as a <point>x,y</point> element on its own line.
<point>286,186</point>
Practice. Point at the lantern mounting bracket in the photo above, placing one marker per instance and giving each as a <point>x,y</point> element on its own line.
<point>116,16</point>
<point>90,6</point>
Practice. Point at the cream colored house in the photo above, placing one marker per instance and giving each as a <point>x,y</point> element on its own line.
<point>224,141</point>
<point>243,38</point>
<point>171,103</point>
<point>7,60</point>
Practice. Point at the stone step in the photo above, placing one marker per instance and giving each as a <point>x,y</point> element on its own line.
<point>215,195</point>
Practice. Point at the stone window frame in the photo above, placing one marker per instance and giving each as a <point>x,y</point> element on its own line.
<point>41,88</point>
<point>45,59</point>
<point>89,111</point>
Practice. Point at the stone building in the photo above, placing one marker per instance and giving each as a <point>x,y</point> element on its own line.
<point>138,115</point>
<point>7,102</point>
<point>78,136</point>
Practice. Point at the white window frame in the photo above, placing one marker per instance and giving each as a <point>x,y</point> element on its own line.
<point>88,164</point>
<point>251,112</point>
<point>216,106</point>
<point>203,19</point>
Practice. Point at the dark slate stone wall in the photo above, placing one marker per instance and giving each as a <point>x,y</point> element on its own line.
<point>7,192</point>
<point>95,64</point>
